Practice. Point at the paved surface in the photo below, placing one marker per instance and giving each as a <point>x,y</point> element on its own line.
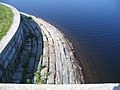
<point>60,87</point>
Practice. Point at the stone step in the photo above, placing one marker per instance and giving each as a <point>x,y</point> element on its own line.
<point>51,60</point>
<point>71,73</point>
<point>64,63</point>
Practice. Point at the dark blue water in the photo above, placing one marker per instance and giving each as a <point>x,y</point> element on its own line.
<point>93,24</point>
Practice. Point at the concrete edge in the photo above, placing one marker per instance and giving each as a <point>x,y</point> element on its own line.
<point>107,86</point>
<point>15,24</point>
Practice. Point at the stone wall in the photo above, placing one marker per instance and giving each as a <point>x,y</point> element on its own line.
<point>20,50</point>
<point>10,46</point>
<point>8,57</point>
<point>34,51</point>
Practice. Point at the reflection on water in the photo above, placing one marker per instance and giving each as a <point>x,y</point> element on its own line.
<point>93,24</point>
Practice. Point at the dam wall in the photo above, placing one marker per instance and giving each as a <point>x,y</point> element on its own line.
<point>34,51</point>
<point>20,50</point>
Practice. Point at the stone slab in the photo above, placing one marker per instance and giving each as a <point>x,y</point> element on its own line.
<point>106,86</point>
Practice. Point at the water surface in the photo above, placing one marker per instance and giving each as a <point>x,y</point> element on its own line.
<point>93,24</point>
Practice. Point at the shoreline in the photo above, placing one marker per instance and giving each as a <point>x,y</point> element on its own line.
<point>73,71</point>
<point>80,57</point>
<point>72,51</point>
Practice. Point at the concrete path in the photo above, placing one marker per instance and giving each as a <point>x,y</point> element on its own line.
<point>60,87</point>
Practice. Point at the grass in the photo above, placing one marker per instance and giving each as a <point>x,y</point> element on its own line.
<point>41,79</point>
<point>38,75</point>
<point>6,18</point>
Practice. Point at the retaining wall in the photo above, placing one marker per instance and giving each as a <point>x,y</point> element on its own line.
<point>10,46</point>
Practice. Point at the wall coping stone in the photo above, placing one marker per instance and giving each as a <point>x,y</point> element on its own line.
<point>106,86</point>
<point>14,27</point>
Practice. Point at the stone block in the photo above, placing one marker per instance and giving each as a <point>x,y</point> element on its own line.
<point>16,45</point>
<point>4,78</point>
<point>34,50</point>
<point>19,39</point>
<point>37,32</point>
<point>20,43</point>
<point>1,62</point>
<point>21,30</point>
<point>17,76</point>
<point>9,49</point>
<point>22,59</point>
<point>1,73</point>
<point>16,62</point>
<point>36,65</point>
<point>11,54</point>
<point>20,68</point>
<point>16,36</point>
<point>12,61</point>
<point>7,75</point>
<point>27,47</point>
<point>10,72</point>
<point>13,43</point>
<point>16,81</point>
<point>30,65</point>
<point>39,46</point>
<point>40,42</point>
<point>5,64</point>
<point>12,68</point>
<point>28,41</point>
<point>5,56</point>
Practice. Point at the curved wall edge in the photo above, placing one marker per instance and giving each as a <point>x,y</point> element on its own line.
<point>13,29</point>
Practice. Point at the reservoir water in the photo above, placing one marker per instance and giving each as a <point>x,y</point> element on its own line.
<point>94,26</point>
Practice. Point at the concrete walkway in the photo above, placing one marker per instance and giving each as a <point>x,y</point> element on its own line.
<point>60,87</point>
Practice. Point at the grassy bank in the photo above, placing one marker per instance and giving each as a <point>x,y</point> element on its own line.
<point>6,18</point>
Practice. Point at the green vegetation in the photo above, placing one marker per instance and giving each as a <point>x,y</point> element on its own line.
<point>25,71</point>
<point>6,18</point>
<point>30,17</point>
<point>38,75</point>
<point>41,79</point>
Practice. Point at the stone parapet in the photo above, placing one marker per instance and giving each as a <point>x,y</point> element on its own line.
<point>106,86</point>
